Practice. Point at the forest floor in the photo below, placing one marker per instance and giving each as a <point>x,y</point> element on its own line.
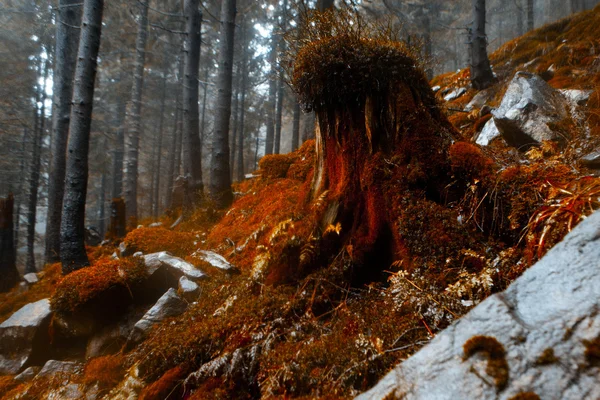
<point>276,330</point>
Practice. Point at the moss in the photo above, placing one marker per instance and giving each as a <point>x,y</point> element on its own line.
<point>497,367</point>
<point>525,396</point>
<point>468,161</point>
<point>151,240</point>
<point>274,166</point>
<point>168,386</point>
<point>547,357</point>
<point>82,286</point>
<point>12,301</point>
<point>7,383</point>
<point>592,351</point>
<point>106,371</point>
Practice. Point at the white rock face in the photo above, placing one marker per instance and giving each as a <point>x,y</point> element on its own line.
<point>488,133</point>
<point>455,94</point>
<point>188,289</point>
<point>545,321</point>
<point>528,106</point>
<point>174,264</point>
<point>216,260</point>
<point>575,96</point>
<point>23,335</point>
<point>30,278</point>
<point>169,305</point>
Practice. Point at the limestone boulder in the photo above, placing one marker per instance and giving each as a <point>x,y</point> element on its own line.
<point>188,290</point>
<point>541,336</point>
<point>174,265</point>
<point>527,110</point>
<point>24,337</point>
<point>169,305</point>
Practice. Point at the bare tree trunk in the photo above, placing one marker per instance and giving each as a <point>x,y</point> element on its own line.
<point>20,187</point>
<point>102,210</point>
<point>519,11</point>
<point>481,72</point>
<point>203,122</point>
<point>163,96</point>
<point>236,112</point>
<point>118,224</point>
<point>9,276</point>
<point>72,230</point>
<point>296,126</point>
<point>530,15</point>
<point>220,177</point>
<point>323,5</point>
<point>171,160</point>
<point>67,34</point>
<point>134,117</point>
<point>271,99</point>
<point>191,123</point>
<point>242,128</point>
<point>34,177</point>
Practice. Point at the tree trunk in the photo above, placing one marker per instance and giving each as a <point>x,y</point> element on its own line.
<point>296,126</point>
<point>203,122</point>
<point>171,175</point>
<point>220,177</point>
<point>519,11</point>
<point>236,112</point>
<point>72,230</point>
<point>67,35</point>
<point>9,276</point>
<point>102,208</point>
<point>118,220</point>
<point>134,117</point>
<point>34,177</point>
<point>242,127</point>
<point>271,99</point>
<point>530,15</point>
<point>323,5</point>
<point>163,96</point>
<point>191,120</point>
<point>481,72</point>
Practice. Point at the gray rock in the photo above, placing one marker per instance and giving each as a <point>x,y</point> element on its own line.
<point>216,260</point>
<point>24,336</point>
<point>436,89</point>
<point>81,324</point>
<point>575,96</point>
<point>110,339</point>
<point>175,265</point>
<point>138,254</point>
<point>455,94</point>
<point>488,133</point>
<point>155,225</point>
<point>124,250</point>
<point>54,367</point>
<point>28,374</point>
<point>30,278</point>
<point>544,321</point>
<point>591,160</point>
<point>169,305</point>
<point>479,100</point>
<point>189,290</point>
<point>528,106</point>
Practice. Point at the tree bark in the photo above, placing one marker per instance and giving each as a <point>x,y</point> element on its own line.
<point>519,11</point>
<point>118,220</point>
<point>171,175</point>
<point>530,15</point>
<point>242,128</point>
<point>323,5</point>
<point>271,99</point>
<point>9,276</point>
<point>72,230</point>
<point>296,126</point>
<point>220,182</point>
<point>163,96</point>
<point>481,72</point>
<point>236,113</point>
<point>67,35</point>
<point>34,177</point>
<point>191,119</point>
<point>134,117</point>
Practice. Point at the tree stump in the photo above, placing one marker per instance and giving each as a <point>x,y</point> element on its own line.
<point>380,137</point>
<point>9,276</point>
<point>118,222</point>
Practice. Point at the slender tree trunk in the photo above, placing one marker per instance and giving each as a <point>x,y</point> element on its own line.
<point>530,15</point>
<point>34,177</point>
<point>102,201</point>
<point>242,128</point>
<point>236,113</point>
<point>72,230</point>
<point>163,96</point>
<point>220,178</point>
<point>67,35</point>
<point>203,122</point>
<point>280,82</point>
<point>270,104</point>
<point>171,160</point>
<point>179,144</point>
<point>191,123</point>
<point>134,117</point>
<point>296,126</point>
<point>323,5</point>
<point>481,72</point>
<point>20,187</point>
<point>519,11</point>
<point>9,276</point>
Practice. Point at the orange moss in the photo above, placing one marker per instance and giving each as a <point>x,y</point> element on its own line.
<point>151,240</point>
<point>107,371</point>
<point>44,288</point>
<point>274,166</point>
<point>592,351</point>
<point>168,386</point>
<point>469,162</point>
<point>497,367</point>
<point>525,396</point>
<point>84,285</point>
<point>304,162</point>
<point>547,357</point>
<point>7,383</point>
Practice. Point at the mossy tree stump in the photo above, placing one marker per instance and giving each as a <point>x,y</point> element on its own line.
<point>379,135</point>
